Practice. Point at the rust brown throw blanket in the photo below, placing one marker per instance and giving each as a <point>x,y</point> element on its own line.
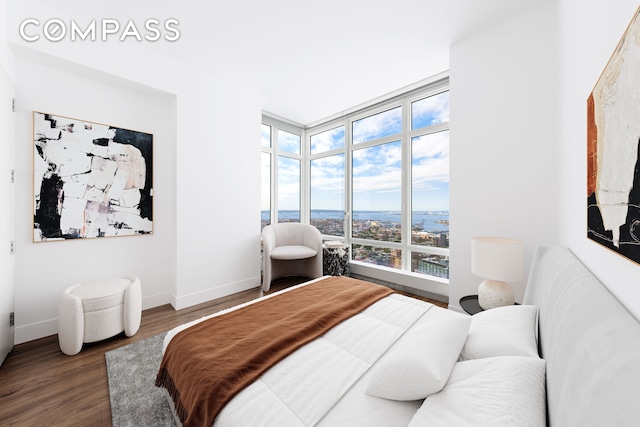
<point>206,365</point>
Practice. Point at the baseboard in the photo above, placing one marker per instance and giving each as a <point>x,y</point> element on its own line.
<point>156,300</point>
<point>184,301</point>
<point>45,328</point>
<point>35,331</point>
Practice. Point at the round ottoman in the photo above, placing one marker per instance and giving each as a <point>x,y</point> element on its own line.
<point>97,311</point>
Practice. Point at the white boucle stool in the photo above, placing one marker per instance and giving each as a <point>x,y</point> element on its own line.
<point>97,311</point>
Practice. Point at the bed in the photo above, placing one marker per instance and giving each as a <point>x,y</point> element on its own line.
<point>568,356</point>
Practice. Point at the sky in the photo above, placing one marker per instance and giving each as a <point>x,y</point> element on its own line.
<point>377,169</point>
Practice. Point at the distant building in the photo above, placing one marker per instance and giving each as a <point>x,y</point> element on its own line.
<point>434,266</point>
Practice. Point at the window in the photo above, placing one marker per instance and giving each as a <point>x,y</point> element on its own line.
<point>265,201</point>
<point>265,188</point>
<point>377,184</point>
<point>376,178</point>
<point>377,188</point>
<point>327,194</point>
<point>326,180</point>
<point>288,189</point>
<point>430,185</point>
<point>430,189</point>
<point>282,171</point>
<point>430,111</point>
<point>397,179</point>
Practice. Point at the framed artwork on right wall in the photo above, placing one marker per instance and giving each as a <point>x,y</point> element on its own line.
<point>613,150</point>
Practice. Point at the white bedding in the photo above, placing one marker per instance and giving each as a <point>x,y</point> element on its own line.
<point>302,388</point>
<point>324,382</point>
<point>493,391</point>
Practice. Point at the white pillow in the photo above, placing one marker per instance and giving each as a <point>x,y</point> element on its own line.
<point>503,331</point>
<point>496,391</point>
<point>420,363</point>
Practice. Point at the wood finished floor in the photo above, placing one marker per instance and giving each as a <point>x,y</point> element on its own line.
<point>40,386</point>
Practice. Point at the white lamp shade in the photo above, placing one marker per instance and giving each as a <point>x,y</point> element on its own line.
<point>496,258</point>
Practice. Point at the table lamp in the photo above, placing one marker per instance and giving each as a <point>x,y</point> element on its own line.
<point>496,260</point>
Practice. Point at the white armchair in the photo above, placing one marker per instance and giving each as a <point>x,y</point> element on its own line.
<point>97,311</point>
<point>290,249</point>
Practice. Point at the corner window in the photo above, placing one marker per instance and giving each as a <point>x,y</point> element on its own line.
<point>377,178</point>
<point>398,176</point>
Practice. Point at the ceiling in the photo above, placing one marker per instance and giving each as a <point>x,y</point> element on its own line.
<point>314,59</point>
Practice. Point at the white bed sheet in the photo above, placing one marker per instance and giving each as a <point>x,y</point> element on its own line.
<point>324,382</point>
<point>356,408</point>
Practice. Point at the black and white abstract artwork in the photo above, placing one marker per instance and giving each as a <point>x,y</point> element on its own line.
<point>613,150</point>
<point>90,180</point>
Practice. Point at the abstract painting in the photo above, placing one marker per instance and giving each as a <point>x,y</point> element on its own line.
<point>613,150</point>
<point>90,180</point>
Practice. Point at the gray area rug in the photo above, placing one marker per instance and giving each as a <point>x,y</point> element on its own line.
<point>135,399</point>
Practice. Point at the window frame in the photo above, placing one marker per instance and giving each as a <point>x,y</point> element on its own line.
<point>275,152</point>
<point>406,135</point>
<point>433,285</point>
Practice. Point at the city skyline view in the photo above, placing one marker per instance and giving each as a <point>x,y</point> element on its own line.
<point>428,229</point>
<point>425,227</point>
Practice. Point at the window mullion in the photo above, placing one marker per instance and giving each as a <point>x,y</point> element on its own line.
<point>406,185</point>
<point>305,180</point>
<point>348,180</point>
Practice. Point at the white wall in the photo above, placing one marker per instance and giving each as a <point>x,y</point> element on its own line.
<point>504,141</point>
<point>218,185</point>
<point>589,32</point>
<point>206,172</point>
<point>6,58</point>
<point>7,164</point>
<point>43,270</point>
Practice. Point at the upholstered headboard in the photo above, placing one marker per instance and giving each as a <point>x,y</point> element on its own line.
<point>590,341</point>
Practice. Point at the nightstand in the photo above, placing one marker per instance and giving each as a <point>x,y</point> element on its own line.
<point>471,305</point>
<point>335,259</point>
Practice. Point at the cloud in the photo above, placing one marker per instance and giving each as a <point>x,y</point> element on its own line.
<point>431,170</point>
<point>378,169</point>
<point>288,142</point>
<point>327,174</point>
<point>430,111</point>
<point>377,126</point>
<point>375,160</point>
<point>327,140</point>
<point>288,183</point>
<point>389,180</point>
<point>430,159</point>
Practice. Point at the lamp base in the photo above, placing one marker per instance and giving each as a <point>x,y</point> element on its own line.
<point>493,293</point>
